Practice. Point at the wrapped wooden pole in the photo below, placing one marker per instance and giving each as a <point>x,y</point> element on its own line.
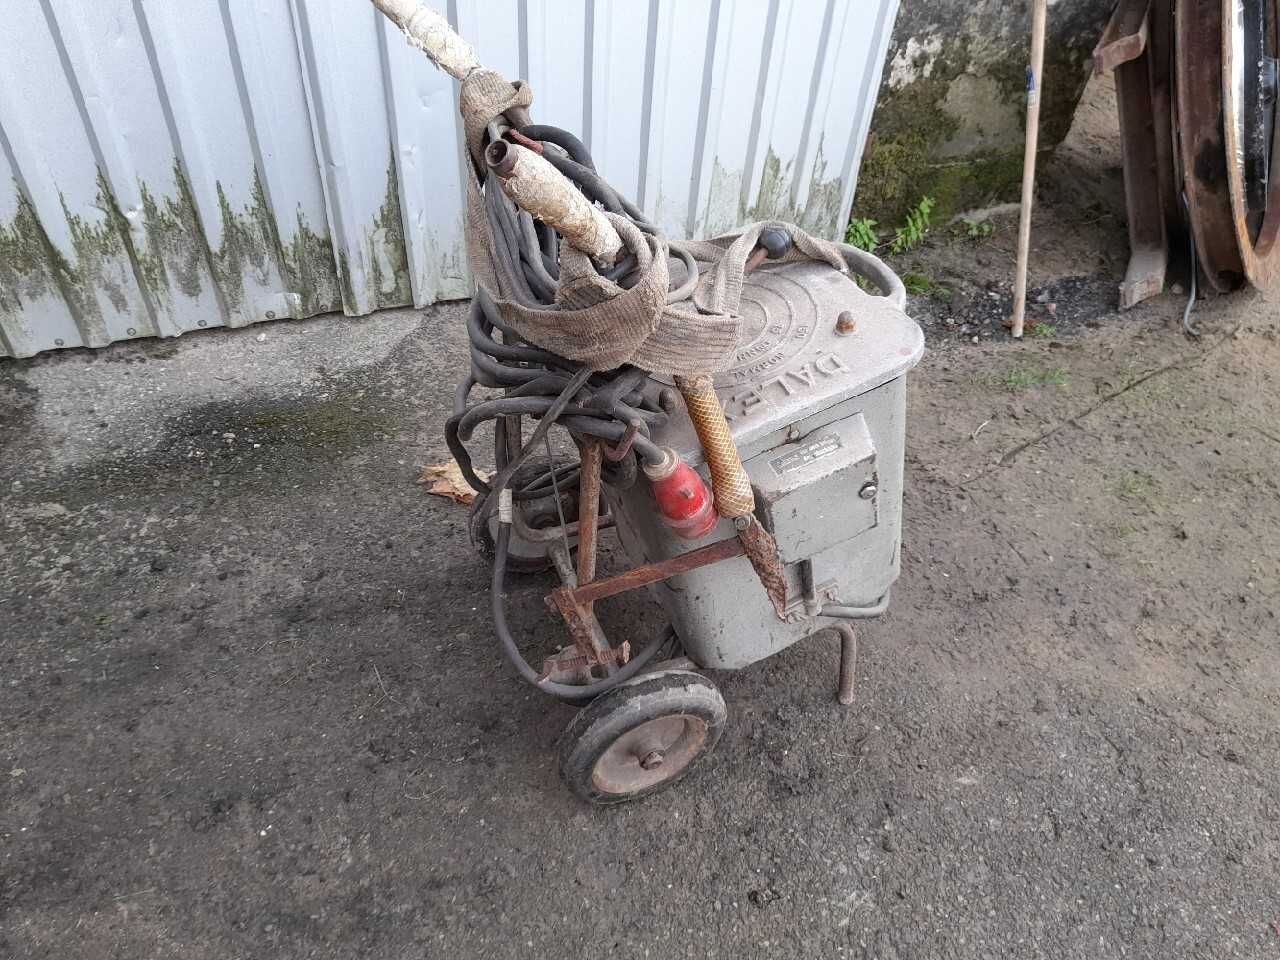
<point>431,33</point>
<point>533,184</point>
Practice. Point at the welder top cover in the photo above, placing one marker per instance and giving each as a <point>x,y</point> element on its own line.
<point>593,320</point>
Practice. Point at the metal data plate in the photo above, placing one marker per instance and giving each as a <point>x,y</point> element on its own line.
<point>791,363</point>
<point>818,491</point>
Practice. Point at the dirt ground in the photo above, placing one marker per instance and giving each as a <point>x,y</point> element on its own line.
<point>252,706</point>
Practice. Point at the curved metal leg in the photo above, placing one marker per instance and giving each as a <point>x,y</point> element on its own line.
<point>848,661</point>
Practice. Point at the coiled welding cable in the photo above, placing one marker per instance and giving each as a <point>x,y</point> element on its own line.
<point>551,389</point>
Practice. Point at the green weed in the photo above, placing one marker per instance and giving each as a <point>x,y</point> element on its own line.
<point>911,234</point>
<point>1135,485</point>
<point>917,284</point>
<point>862,234</point>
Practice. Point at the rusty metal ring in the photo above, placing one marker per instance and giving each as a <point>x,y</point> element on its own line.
<point>1198,69</point>
<point>1255,234</point>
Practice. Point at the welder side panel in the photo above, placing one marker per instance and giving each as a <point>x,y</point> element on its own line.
<point>721,612</point>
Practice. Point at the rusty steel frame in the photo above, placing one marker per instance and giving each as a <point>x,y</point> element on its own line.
<point>588,510</point>
<point>643,576</point>
<point>1126,49</point>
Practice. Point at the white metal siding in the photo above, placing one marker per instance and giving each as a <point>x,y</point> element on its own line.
<point>170,166</point>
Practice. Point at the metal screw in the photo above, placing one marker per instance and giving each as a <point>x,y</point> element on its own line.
<point>652,759</point>
<point>271,314</point>
<point>868,491</point>
<point>59,342</point>
<point>845,324</point>
<point>132,332</point>
<point>200,323</point>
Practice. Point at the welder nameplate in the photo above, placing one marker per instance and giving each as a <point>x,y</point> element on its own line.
<point>808,492</point>
<point>803,456</point>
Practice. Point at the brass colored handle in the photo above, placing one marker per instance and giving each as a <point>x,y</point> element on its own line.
<point>729,480</point>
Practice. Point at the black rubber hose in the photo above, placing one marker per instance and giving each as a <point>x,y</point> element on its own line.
<point>565,691</point>
<point>553,390</point>
<point>561,138</point>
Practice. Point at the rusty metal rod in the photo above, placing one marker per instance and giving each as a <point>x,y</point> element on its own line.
<point>848,662</point>
<point>588,512</point>
<point>651,573</point>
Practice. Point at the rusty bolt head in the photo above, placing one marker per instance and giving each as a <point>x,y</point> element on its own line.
<point>845,324</point>
<point>652,760</point>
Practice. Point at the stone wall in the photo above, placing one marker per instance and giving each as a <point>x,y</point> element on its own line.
<point>951,112</point>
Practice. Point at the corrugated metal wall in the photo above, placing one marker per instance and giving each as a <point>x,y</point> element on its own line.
<point>170,166</point>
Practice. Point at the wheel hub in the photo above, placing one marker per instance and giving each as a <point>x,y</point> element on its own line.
<point>650,753</point>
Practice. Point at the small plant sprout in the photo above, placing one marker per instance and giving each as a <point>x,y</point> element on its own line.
<point>911,233</point>
<point>862,234</point>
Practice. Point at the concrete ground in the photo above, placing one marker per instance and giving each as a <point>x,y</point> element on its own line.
<point>251,704</point>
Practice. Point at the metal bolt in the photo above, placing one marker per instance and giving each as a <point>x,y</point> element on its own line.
<point>59,342</point>
<point>132,332</point>
<point>868,491</point>
<point>200,323</point>
<point>652,760</point>
<point>845,324</point>
<point>271,314</point>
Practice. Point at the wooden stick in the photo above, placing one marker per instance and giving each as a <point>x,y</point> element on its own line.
<point>1039,14</point>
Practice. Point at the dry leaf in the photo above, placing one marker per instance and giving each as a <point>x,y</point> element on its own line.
<point>446,480</point>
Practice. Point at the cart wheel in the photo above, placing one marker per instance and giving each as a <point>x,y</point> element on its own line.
<point>641,736</point>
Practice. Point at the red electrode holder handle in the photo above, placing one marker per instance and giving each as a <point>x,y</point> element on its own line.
<point>683,499</point>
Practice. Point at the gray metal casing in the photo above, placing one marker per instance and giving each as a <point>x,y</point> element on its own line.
<point>817,417</point>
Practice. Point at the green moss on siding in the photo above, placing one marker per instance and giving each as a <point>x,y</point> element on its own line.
<point>170,254</point>
<point>821,212</point>
<point>30,266</point>
<point>391,290</point>
<point>306,263</point>
<point>175,250</point>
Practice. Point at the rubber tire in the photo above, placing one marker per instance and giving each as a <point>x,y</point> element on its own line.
<point>596,726</point>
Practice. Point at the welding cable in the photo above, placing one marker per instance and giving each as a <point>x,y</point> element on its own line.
<point>550,389</point>
<point>1188,327</point>
<point>565,691</point>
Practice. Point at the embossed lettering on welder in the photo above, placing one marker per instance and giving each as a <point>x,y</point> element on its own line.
<point>789,383</point>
